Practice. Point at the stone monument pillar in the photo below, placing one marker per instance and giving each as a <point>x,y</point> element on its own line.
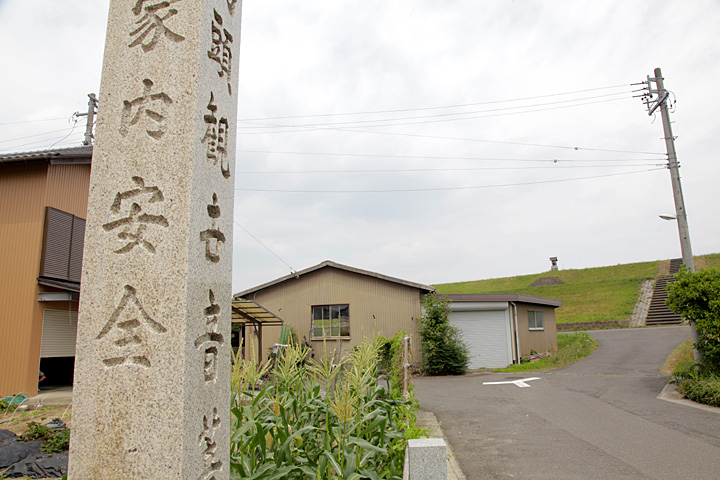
<point>152,388</point>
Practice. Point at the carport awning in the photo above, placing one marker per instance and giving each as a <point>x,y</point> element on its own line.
<point>247,311</point>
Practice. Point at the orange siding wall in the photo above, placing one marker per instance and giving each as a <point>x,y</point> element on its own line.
<point>22,214</point>
<point>376,306</point>
<point>67,188</point>
<point>25,190</point>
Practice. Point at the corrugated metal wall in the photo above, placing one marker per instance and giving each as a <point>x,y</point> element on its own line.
<point>538,340</point>
<point>25,190</point>
<point>376,306</point>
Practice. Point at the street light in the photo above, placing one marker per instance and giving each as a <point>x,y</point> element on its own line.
<point>667,217</point>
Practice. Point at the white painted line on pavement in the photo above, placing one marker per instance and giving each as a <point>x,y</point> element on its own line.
<point>520,383</point>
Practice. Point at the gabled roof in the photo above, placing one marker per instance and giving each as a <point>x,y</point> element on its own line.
<point>328,263</point>
<point>502,297</point>
<point>56,156</point>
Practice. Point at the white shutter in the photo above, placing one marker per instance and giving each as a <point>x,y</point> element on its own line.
<point>488,335</point>
<point>59,333</point>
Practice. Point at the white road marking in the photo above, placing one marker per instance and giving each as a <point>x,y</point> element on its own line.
<point>520,383</point>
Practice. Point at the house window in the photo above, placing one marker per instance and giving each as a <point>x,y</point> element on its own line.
<point>535,320</point>
<point>330,321</point>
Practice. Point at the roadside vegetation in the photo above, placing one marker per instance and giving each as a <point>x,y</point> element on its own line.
<point>696,296</point>
<point>443,350</point>
<point>330,418</point>
<point>571,348</point>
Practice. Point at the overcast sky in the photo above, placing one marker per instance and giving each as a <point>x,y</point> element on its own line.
<point>471,169</point>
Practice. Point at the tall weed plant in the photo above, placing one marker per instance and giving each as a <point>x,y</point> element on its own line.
<point>318,419</point>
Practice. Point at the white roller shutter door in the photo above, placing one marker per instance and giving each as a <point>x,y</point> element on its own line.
<point>488,335</point>
<point>59,333</point>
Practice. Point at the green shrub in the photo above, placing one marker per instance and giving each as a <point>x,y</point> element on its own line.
<point>696,296</point>
<point>443,350</point>
<point>701,390</point>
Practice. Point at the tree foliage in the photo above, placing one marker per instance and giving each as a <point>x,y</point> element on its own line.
<point>443,350</point>
<point>696,296</point>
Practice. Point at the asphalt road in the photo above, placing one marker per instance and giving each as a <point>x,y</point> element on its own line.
<point>599,418</point>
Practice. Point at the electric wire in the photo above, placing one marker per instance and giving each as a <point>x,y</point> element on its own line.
<point>33,121</point>
<point>434,108</point>
<point>456,115</point>
<point>292,270</point>
<point>416,170</point>
<point>444,157</point>
<point>431,189</point>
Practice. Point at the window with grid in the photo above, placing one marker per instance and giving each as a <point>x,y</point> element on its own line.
<point>535,320</point>
<point>330,321</point>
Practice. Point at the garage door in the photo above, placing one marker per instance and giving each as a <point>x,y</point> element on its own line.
<point>59,333</point>
<point>488,336</point>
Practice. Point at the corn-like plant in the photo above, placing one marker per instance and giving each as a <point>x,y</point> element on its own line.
<point>326,420</point>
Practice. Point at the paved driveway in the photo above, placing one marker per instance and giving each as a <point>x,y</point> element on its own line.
<point>597,419</point>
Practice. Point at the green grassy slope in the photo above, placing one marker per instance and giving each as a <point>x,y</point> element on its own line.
<point>588,295</point>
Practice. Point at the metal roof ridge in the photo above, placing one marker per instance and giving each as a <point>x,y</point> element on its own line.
<point>330,263</point>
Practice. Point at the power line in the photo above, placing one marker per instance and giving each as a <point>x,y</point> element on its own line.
<point>412,170</point>
<point>35,135</point>
<point>449,188</point>
<point>437,137</point>
<point>434,108</point>
<point>33,121</point>
<point>456,115</point>
<point>292,270</point>
<point>443,157</point>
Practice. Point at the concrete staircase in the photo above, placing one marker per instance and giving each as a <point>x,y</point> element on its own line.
<point>659,313</point>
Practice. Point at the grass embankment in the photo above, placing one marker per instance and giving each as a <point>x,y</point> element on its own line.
<point>571,348</point>
<point>691,383</point>
<point>588,295</point>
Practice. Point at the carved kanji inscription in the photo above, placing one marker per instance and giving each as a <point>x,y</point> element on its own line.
<point>132,228</point>
<point>231,6</point>
<point>149,108</point>
<point>208,446</point>
<point>127,328</point>
<point>213,237</point>
<point>210,341</point>
<point>216,137</point>
<point>152,16</point>
<point>220,51</point>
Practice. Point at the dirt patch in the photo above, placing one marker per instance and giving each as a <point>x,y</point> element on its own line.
<point>546,282</point>
<point>17,421</point>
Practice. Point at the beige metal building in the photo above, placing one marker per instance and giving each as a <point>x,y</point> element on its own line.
<point>499,328</point>
<point>43,203</point>
<point>340,305</point>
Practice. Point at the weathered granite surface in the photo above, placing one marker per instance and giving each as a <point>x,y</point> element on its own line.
<point>151,396</point>
<point>427,459</point>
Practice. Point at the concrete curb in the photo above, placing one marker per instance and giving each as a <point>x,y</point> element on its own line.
<point>429,422</point>
<point>670,394</point>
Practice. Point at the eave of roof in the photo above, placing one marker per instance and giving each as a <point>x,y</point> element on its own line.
<point>328,263</point>
<point>503,297</point>
<point>244,311</point>
<point>57,156</point>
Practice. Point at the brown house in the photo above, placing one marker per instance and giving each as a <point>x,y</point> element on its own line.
<point>43,203</point>
<point>340,305</point>
<point>499,328</point>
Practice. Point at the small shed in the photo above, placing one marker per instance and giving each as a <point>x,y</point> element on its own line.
<point>499,329</point>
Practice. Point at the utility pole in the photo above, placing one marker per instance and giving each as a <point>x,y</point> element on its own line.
<point>655,98</point>
<point>92,103</point>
